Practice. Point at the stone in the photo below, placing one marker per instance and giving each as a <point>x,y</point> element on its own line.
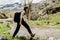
<point>51,38</point>
<point>2,37</point>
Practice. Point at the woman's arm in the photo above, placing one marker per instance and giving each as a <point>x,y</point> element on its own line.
<point>22,14</point>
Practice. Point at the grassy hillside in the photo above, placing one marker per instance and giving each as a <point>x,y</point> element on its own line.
<point>47,20</point>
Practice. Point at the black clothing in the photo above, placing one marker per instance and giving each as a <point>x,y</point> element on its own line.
<point>23,23</point>
<point>17,17</point>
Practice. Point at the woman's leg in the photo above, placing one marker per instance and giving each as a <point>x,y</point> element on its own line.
<point>17,29</point>
<point>27,27</point>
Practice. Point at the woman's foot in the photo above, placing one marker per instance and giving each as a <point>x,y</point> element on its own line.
<point>12,38</point>
<point>32,35</point>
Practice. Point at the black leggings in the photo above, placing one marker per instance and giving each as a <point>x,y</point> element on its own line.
<point>25,25</point>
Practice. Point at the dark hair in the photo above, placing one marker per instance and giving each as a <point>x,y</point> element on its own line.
<point>25,8</point>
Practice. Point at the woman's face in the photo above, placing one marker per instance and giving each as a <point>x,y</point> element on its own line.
<point>27,10</point>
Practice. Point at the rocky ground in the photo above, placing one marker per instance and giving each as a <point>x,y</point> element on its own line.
<point>50,33</point>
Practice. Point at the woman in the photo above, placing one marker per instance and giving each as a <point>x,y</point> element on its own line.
<point>20,21</point>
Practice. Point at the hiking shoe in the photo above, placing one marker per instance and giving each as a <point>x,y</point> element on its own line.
<point>12,38</point>
<point>32,35</point>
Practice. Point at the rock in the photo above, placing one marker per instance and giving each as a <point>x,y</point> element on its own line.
<point>37,37</point>
<point>51,38</point>
<point>3,16</point>
<point>57,22</point>
<point>2,37</point>
<point>58,39</point>
<point>52,23</point>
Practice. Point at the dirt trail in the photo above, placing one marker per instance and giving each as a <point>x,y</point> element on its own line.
<point>40,32</point>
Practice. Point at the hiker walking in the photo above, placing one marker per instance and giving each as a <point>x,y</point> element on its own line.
<point>18,18</point>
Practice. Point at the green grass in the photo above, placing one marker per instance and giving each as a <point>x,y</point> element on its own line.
<point>4,31</point>
<point>53,18</point>
<point>3,28</point>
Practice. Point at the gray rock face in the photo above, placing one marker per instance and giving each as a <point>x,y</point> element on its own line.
<point>2,37</point>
